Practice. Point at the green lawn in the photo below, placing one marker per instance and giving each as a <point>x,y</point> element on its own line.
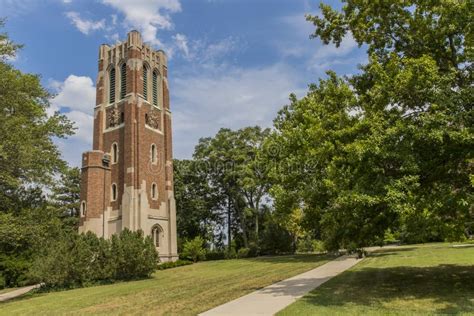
<point>186,290</point>
<point>411,280</point>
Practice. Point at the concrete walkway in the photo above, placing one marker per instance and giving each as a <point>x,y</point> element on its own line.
<point>18,292</point>
<point>273,298</point>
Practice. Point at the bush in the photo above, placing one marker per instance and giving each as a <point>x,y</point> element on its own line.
<point>231,253</point>
<point>307,244</point>
<point>243,253</point>
<point>215,255</point>
<point>171,264</point>
<point>194,249</point>
<point>80,260</point>
<point>304,245</point>
<point>134,256</point>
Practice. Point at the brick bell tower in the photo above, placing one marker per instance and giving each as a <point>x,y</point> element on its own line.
<point>127,179</point>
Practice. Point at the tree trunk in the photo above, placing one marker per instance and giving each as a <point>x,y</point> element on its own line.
<point>229,232</point>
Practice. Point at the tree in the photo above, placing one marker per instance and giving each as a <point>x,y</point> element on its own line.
<point>29,163</point>
<point>66,196</point>
<point>27,152</point>
<point>234,171</point>
<point>196,202</point>
<point>381,148</point>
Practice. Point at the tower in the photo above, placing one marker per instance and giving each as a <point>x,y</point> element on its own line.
<point>127,178</point>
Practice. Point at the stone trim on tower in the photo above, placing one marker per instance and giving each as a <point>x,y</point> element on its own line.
<point>131,157</point>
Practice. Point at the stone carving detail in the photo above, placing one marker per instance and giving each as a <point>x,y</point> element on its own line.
<point>113,117</point>
<point>153,119</point>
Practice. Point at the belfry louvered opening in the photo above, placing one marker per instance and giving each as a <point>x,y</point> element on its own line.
<point>155,88</point>
<point>145,82</point>
<point>123,81</point>
<point>112,85</point>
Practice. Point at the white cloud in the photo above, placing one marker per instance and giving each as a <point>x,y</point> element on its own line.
<point>75,93</point>
<point>231,97</point>
<point>147,16</point>
<point>181,43</point>
<point>83,25</point>
<point>76,98</point>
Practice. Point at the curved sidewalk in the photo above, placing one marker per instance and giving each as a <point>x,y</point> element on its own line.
<point>18,292</point>
<point>275,297</point>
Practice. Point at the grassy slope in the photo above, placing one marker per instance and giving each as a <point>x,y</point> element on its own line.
<point>184,290</point>
<point>427,279</point>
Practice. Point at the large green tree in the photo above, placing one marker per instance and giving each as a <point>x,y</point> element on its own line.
<point>28,154</point>
<point>29,163</point>
<point>392,146</point>
<point>232,163</point>
<point>197,204</point>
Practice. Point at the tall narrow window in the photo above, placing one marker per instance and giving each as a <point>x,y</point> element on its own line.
<point>122,117</point>
<point>155,88</point>
<point>83,208</point>
<point>154,193</point>
<point>112,85</point>
<point>114,153</point>
<point>145,82</point>
<point>114,192</point>
<point>155,234</point>
<point>153,153</point>
<point>123,81</point>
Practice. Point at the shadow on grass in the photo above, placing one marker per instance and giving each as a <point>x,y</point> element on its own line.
<point>293,258</point>
<point>389,251</point>
<point>445,288</point>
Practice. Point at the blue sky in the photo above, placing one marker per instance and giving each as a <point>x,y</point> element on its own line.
<point>232,63</point>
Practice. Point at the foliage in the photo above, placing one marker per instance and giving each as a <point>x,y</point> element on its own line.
<point>275,239</point>
<point>173,264</point>
<point>243,253</point>
<point>194,249</point>
<point>234,171</point>
<point>215,255</point>
<point>29,164</point>
<point>27,152</point>
<point>309,245</point>
<point>66,197</point>
<point>389,147</point>
<point>196,203</point>
<point>80,260</point>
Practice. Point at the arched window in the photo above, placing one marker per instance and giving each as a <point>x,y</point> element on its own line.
<point>154,191</point>
<point>145,82</point>
<point>114,153</point>
<point>155,235</point>
<point>123,81</point>
<point>155,88</point>
<point>83,208</point>
<point>114,192</point>
<point>153,153</point>
<point>112,85</point>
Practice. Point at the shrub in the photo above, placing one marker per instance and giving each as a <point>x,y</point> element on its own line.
<point>80,260</point>
<point>171,264</point>
<point>304,245</point>
<point>215,255</point>
<point>194,249</point>
<point>134,256</point>
<point>231,253</point>
<point>243,253</point>
<point>2,281</point>
<point>318,246</point>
